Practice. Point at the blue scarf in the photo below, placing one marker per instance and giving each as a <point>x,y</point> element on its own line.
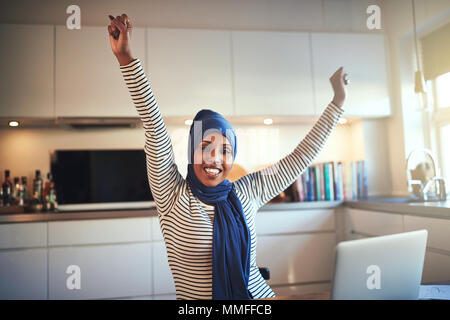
<point>231,237</point>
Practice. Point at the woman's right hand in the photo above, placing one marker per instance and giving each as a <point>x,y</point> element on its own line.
<point>121,45</point>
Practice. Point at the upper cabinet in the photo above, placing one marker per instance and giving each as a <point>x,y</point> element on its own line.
<point>26,66</point>
<point>363,57</point>
<point>52,72</point>
<point>190,70</point>
<point>272,73</point>
<point>88,79</point>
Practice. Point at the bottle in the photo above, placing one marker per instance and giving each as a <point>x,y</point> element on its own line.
<point>26,194</point>
<point>50,197</point>
<point>7,190</point>
<point>15,192</point>
<point>37,187</point>
<point>1,197</point>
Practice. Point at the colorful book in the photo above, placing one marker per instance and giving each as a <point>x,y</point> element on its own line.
<point>300,191</point>
<point>328,176</point>
<point>318,178</point>
<point>322,183</point>
<point>312,185</point>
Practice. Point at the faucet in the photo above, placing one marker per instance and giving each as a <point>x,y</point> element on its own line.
<point>424,190</point>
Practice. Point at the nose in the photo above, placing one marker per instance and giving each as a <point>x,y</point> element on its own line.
<point>214,156</point>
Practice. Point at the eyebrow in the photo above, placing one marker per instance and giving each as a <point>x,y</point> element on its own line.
<point>225,144</point>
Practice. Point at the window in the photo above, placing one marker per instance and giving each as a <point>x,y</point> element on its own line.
<point>439,99</point>
<point>442,91</point>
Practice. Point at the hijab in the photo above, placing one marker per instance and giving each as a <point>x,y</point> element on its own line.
<point>231,236</point>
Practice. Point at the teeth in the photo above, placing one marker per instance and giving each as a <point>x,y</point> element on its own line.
<point>212,171</point>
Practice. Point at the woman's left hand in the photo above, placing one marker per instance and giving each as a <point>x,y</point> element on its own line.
<point>337,82</point>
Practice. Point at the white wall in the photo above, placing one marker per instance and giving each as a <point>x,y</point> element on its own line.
<point>406,128</point>
<point>29,149</point>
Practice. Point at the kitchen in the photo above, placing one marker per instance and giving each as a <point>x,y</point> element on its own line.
<point>255,64</point>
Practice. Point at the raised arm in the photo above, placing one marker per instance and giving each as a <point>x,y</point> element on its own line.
<point>163,174</point>
<point>263,185</point>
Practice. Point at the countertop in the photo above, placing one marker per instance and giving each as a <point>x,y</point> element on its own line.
<point>383,204</point>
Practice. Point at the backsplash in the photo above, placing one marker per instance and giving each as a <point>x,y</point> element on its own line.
<point>25,150</point>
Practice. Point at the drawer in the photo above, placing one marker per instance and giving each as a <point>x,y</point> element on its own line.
<point>109,271</point>
<point>438,230</point>
<point>373,222</point>
<point>298,258</point>
<point>23,235</point>
<point>23,274</point>
<point>278,222</point>
<point>66,233</point>
<point>436,267</point>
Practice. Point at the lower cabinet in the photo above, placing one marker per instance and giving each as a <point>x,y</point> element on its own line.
<point>163,285</point>
<point>298,258</point>
<point>23,274</point>
<point>108,271</point>
<point>365,223</point>
<point>298,248</point>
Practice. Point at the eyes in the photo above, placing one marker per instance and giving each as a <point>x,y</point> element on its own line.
<point>207,147</point>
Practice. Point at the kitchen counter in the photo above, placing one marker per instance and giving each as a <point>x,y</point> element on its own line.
<point>129,213</point>
<point>432,209</point>
<point>385,204</point>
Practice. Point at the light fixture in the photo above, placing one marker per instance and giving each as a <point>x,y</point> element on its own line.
<point>188,122</point>
<point>419,82</point>
<point>13,123</point>
<point>268,121</point>
<point>342,121</point>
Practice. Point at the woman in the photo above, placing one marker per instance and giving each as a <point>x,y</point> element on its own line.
<point>208,223</point>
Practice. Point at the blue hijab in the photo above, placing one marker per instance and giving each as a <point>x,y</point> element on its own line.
<point>231,237</point>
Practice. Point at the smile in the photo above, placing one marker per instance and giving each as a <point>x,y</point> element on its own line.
<point>212,172</point>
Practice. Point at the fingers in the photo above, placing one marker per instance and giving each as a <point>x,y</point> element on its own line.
<point>119,25</point>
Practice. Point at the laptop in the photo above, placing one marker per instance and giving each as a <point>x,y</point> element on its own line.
<point>385,267</point>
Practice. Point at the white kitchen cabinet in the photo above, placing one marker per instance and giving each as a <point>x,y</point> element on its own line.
<point>88,79</point>
<point>23,235</point>
<point>26,66</point>
<point>23,274</point>
<point>291,221</point>
<point>66,233</point>
<point>436,267</point>
<point>438,230</point>
<point>163,283</point>
<point>363,57</point>
<point>371,223</point>
<point>272,73</point>
<point>190,70</point>
<point>108,271</point>
<point>297,258</point>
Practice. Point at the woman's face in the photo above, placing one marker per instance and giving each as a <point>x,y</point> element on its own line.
<point>213,159</point>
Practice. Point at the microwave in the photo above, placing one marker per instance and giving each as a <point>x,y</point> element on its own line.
<point>101,180</point>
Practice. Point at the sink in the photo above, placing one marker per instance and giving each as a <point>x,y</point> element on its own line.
<point>404,200</point>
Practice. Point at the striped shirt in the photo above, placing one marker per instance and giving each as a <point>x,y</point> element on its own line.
<point>186,222</point>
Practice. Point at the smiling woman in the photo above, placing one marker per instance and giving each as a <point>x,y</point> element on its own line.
<point>208,222</point>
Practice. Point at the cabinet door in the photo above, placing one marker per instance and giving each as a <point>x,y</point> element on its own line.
<point>190,70</point>
<point>363,57</point>
<point>371,223</point>
<point>287,221</point>
<point>23,274</point>
<point>88,80</point>
<point>110,271</point>
<point>23,235</point>
<point>272,73</point>
<point>163,279</point>
<point>299,258</point>
<point>26,66</point>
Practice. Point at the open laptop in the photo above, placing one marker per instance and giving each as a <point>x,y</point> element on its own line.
<point>385,267</point>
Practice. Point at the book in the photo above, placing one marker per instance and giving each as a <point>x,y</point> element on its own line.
<point>311,193</point>
<point>329,181</point>
<point>317,178</point>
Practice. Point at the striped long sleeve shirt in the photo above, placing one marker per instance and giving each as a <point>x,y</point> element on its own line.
<point>186,222</point>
